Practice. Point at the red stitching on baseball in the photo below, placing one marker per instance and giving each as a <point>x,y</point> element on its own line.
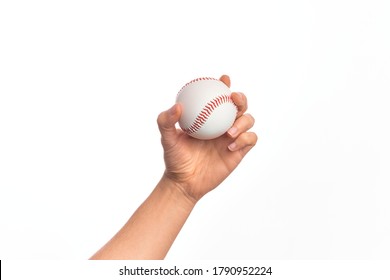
<point>196,80</point>
<point>206,112</point>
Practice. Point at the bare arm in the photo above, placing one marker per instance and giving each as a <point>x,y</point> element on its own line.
<point>193,168</point>
<point>151,230</point>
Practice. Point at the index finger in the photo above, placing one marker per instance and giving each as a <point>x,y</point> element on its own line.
<point>241,102</point>
<point>225,79</point>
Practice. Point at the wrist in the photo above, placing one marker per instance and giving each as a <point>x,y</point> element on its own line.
<point>178,191</point>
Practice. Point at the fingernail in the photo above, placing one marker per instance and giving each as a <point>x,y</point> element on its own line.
<point>232,146</point>
<point>232,131</point>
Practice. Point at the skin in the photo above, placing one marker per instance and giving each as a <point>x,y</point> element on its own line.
<point>193,168</point>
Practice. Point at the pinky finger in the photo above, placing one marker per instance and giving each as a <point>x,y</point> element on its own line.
<point>244,143</point>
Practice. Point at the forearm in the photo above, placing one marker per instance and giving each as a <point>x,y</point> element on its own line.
<point>152,229</point>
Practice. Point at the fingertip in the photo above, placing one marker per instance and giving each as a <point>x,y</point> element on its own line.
<point>233,131</point>
<point>238,98</point>
<point>169,117</point>
<point>173,110</point>
<point>232,147</point>
<point>241,102</point>
<point>177,110</point>
<point>245,142</point>
<point>225,79</point>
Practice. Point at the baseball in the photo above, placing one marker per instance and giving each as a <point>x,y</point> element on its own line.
<point>208,110</point>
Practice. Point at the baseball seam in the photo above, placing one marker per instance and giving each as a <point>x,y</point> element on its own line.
<point>197,80</point>
<point>202,117</point>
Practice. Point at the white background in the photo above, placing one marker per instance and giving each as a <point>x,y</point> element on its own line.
<point>82,83</point>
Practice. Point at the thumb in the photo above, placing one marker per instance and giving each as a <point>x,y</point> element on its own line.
<point>166,123</point>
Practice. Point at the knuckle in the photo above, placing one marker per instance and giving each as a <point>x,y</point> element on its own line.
<point>255,138</point>
<point>249,138</point>
<point>251,118</point>
<point>246,138</point>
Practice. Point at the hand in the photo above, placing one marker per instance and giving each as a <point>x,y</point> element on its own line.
<point>198,166</point>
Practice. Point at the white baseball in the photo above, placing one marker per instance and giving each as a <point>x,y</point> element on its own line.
<point>208,110</point>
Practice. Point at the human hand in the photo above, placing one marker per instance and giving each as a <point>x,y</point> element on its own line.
<point>198,166</point>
